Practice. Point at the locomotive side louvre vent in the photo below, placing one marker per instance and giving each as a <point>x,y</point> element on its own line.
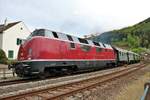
<point>55,34</point>
<point>69,38</point>
<point>104,50</point>
<point>72,46</point>
<point>85,47</point>
<point>109,50</point>
<point>83,41</point>
<point>95,43</point>
<point>98,49</point>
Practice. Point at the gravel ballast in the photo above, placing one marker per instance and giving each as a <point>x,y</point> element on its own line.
<point>129,87</point>
<point>20,88</point>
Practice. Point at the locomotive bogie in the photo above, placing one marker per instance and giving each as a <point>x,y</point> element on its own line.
<point>33,68</point>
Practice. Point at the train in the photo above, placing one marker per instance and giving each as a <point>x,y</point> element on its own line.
<point>47,52</point>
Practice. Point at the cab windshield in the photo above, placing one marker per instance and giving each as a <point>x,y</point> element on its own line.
<point>40,32</point>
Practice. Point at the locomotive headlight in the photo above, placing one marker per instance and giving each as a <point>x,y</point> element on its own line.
<point>29,53</point>
<point>21,53</point>
<point>29,58</point>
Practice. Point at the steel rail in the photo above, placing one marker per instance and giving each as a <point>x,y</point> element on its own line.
<point>74,87</point>
<point>10,82</point>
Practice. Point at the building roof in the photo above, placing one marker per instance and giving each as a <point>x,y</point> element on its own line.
<point>9,25</point>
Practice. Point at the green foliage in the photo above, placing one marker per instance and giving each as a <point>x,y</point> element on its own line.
<point>11,61</point>
<point>133,41</point>
<point>133,37</point>
<point>121,44</point>
<point>3,58</point>
<point>139,50</point>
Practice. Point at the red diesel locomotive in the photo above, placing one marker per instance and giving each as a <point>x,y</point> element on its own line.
<point>46,52</point>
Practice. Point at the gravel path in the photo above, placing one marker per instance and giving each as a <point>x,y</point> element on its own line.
<point>18,88</point>
<point>119,89</point>
<point>5,73</point>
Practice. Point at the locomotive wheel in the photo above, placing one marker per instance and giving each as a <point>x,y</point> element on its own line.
<point>19,75</point>
<point>41,76</point>
<point>44,75</point>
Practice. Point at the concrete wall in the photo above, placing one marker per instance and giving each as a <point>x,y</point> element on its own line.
<point>10,38</point>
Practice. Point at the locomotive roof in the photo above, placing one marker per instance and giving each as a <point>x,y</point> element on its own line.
<point>65,37</point>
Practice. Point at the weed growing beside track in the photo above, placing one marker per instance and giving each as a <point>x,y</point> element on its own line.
<point>135,90</point>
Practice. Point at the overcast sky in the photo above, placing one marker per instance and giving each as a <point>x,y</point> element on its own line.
<point>78,17</point>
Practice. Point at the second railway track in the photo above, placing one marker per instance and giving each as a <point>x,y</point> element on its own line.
<point>67,89</point>
<point>15,81</point>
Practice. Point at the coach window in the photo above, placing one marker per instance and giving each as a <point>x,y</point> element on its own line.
<point>120,53</point>
<point>69,38</point>
<point>83,40</point>
<point>55,34</point>
<point>85,47</point>
<point>72,46</point>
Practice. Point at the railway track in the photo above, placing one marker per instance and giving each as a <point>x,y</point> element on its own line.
<point>15,81</point>
<point>25,80</point>
<point>68,89</point>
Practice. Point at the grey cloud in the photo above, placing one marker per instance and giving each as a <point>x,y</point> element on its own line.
<point>59,15</point>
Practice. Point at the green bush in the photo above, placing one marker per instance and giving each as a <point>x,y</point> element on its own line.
<point>3,58</point>
<point>11,61</point>
<point>139,50</point>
